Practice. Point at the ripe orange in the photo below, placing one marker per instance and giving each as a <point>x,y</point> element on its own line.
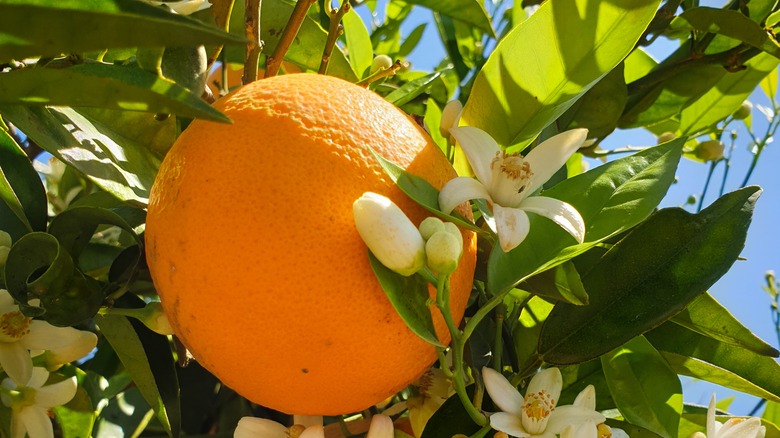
<point>254,252</point>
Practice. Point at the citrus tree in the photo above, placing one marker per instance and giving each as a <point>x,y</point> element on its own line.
<point>347,245</point>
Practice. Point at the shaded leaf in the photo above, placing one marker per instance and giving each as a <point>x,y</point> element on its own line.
<point>409,297</point>
<point>647,392</point>
<point>468,11</point>
<point>522,89</point>
<point>30,28</point>
<point>103,86</point>
<point>561,283</point>
<point>22,196</point>
<point>451,419</point>
<point>664,263</point>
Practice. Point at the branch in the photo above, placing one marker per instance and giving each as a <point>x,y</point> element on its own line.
<point>381,73</point>
<point>334,30</point>
<point>254,46</point>
<point>288,35</point>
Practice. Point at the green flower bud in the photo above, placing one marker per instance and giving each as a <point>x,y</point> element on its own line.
<point>454,230</point>
<point>443,250</point>
<point>711,150</point>
<point>744,111</point>
<point>381,62</point>
<point>666,136</point>
<point>429,226</point>
<point>389,234</point>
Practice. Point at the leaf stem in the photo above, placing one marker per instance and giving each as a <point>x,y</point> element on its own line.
<point>334,31</point>
<point>288,35</point>
<point>382,73</point>
<point>707,184</point>
<point>254,46</point>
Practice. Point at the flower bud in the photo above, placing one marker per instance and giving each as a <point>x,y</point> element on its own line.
<point>154,317</point>
<point>450,117</point>
<point>666,136</point>
<point>711,150</point>
<point>443,250</point>
<point>429,226</point>
<point>81,343</point>
<point>381,62</point>
<point>454,230</point>
<point>744,111</point>
<point>389,234</point>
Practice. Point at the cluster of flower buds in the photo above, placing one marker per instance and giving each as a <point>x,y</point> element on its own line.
<point>399,245</point>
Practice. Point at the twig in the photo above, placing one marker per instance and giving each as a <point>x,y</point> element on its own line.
<point>288,35</point>
<point>334,31</point>
<point>254,46</point>
<point>383,73</point>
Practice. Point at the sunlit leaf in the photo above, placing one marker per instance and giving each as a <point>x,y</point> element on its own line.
<point>522,89</point>
<point>769,84</point>
<point>412,89</point>
<point>468,11</point>
<point>361,51</point>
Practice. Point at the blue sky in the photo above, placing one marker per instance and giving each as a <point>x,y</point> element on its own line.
<point>740,289</point>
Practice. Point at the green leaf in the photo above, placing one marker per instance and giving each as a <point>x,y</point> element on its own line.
<point>611,198</point>
<point>769,84</point>
<point>141,129</point>
<point>562,283</point>
<point>409,297</point>
<point>526,332</point>
<point>695,355</point>
<point>39,267</point>
<point>468,11</point>
<point>75,227</point>
<point>522,89</point>
<point>121,167</point>
<point>77,417</point>
<point>451,419</point>
<point>772,412</point>
<point>411,41</point>
<point>141,353</point>
<point>432,121</point>
<point>421,192</point>
<point>600,108</point>
<point>708,317</point>
<point>578,377</point>
<point>31,28</point>
<point>412,89</point>
<point>728,23</point>
<point>22,196</point>
<point>664,264</point>
<point>647,392</point>
<point>361,51</point>
<point>103,86</point>
<point>727,95</point>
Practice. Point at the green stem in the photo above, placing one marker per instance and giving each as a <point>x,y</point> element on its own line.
<point>498,344</point>
<point>707,184</point>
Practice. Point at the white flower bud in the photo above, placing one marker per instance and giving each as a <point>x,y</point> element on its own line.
<point>381,62</point>
<point>450,117</point>
<point>429,226</point>
<point>389,234</point>
<point>443,250</point>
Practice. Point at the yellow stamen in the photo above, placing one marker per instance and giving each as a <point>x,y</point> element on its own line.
<point>538,406</point>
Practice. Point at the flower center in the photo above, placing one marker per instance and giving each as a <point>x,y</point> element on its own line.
<point>513,167</point>
<point>14,325</point>
<point>536,408</point>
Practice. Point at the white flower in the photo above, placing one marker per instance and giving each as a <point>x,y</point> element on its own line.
<point>389,234</point>
<point>304,427</point>
<point>74,346</point>
<point>31,402</point>
<point>19,333</point>
<point>381,427</point>
<point>732,428</point>
<point>536,414</point>
<point>507,182</point>
<point>591,429</point>
<point>183,7</point>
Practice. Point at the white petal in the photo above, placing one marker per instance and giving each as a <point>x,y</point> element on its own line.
<point>7,303</point>
<point>748,428</point>
<point>508,423</point>
<point>56,394</point>
<point>512,226</point>
<point>450,117</point>
<point>460,190</point>
<point>250,427</point>
<point>712,429</point>
<point>588,430</point>
<point>563,214</point>
<point>548,380</point>
<point>551,154</point>
<point>307,420</point>
<point>44,336</point>
<point>38,377</point>
<point>77,349</point>
<point>315,431</point>
<point>480,150</point>
<point>571,415</point>
<point>36,422</point>
<point>16,362</point>
<point>503,394</point>
<point>586,398</point>
<point>17,427</point>
<point>381,427</point>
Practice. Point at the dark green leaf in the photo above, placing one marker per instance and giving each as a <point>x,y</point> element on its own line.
<point>647,392</point>
<point>632,430</point>
<point>412,89</point>
<point>522,89</point>
<point>451,419</point>
<point>30,28</point>
<point>75,227</point>
<point>698,356</point>
<point>578,377</point>
<point>121,167</point>
<point>708,317</point>
<point>469,11</point>
<point>421,191</point>
<point>611,198</point>
<point>526,332</point>
<point>600,108</point>
<point>153,372</point>
<point>562,283</point>
<point>409,296</point>
<point>103,86</point>
<point>728,23</point>
<point>664,264</point>
<point>22,196</point>
<point>449,38</point>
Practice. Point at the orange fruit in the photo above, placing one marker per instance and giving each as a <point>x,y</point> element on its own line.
<point>253,250</point>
